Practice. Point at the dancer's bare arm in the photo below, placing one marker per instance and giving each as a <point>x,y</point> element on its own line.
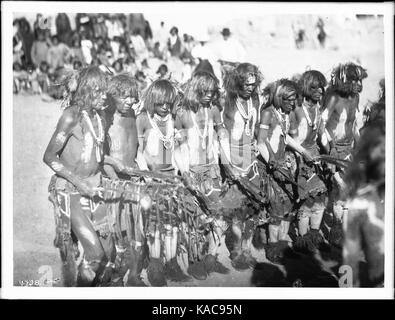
<point>181,148</point>
<point>59,139</point>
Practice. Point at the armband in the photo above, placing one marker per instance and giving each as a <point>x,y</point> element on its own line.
<point>264,126</point>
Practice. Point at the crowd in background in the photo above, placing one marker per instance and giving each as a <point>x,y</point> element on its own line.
<point>116,43</point>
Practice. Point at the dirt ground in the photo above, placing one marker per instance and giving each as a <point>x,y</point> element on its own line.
<point>34,121</point>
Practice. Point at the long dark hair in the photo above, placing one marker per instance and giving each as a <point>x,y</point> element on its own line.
<point>274,89</point>
<point>159,92</point>
<point>196,86</point>
<point>342,76</point>
<point>90,82</point>
<point>234,79</point>
<point>308,78</point>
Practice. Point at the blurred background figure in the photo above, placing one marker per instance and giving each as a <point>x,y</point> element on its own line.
<point>230,49</point>
<point>17,44</point>
<point>299,32</point>
<point>203,51</point>
<point>76,51</point>
<point>40,48</point>
<point>174,43</point>
<point>117,66</point>
<point>19,77</point>
<point>157,52</point>
<point>321,33</point>
<point>364,225</point>
<point>148,36</point>
<point>58,54</point>
<point>99,28</point>
<point>63,28</point>
<point>86,48</point>
<point>139,46</point>
<point>162,72</point>
<point>162,35</point>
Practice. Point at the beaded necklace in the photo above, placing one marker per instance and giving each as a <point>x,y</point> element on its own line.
<point>168,138</point>
<point>205,130</point>
<point>246,116</point>
<point>99,140</point>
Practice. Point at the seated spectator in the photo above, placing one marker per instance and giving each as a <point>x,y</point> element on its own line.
<point>32,80</point>
<point>77,65</point>
<point>43,77</point>
<point>98,43</point>
<point>162,71</point>
<point>58,54</point>
<point>157,52</point>
<point>130,65</point>
<point>19,77</point>
<point>141,80</point>
<point>118,66</point>
<point>39,50</point>
<point>102,55</point>
<point>123,52</point>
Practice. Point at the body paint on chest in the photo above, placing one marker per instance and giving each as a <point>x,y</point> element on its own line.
<point>88,147</point>
<point>340,131</point>
<point>275,139</point>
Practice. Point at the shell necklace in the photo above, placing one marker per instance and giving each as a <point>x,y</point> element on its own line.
<point>283,119</point>
<point>99,140</point>
<point>168,138</point>
<point>247,117</point>
<point>307,115</point>
<point>205,130</point>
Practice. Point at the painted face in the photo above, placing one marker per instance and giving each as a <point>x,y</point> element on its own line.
<point>124,104</point>
<point>288,100</point>
<point>98,100</point>
<point>356,86</point>
<point>162,109</point>
<point>248,86</point>
<point>207,96</point>
<point>315,91</point>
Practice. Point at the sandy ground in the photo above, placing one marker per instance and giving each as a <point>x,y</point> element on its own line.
<point>34,121</point>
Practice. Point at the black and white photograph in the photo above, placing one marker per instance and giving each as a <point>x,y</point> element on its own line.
<point>197,150</point>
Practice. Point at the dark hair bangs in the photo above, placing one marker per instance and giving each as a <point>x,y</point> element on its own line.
<point>159,92</point>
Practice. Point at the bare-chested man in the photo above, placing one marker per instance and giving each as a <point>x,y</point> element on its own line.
<point>75,153</point>
<point>155,127</point>
<point>273,138</point>
<point>195,122</point>
<point>340,107</point>
<point>123,145</point>
<point>239,117</point>
<point>307,128</point>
